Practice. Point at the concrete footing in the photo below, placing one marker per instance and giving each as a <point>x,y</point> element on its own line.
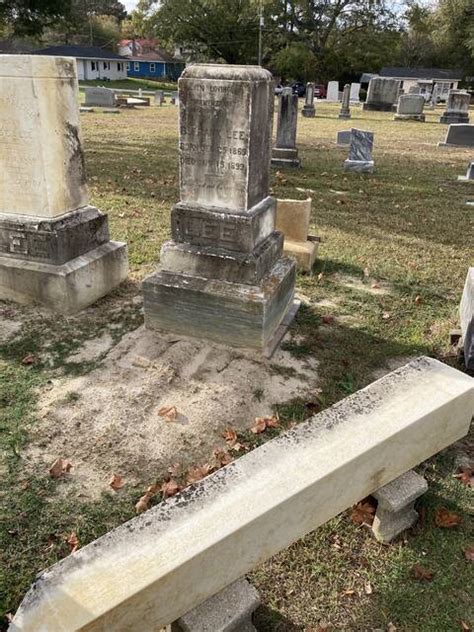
<point>410,117</point>
<point>308,111</point>
<point>396,506</point>
<point>230,610</point>
<point>285,157</point>
<point>363,166</point>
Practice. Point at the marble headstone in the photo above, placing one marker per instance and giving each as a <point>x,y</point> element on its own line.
<point>457,107</point>
<point>332,93</point>
<point>285,152</point>
<point>410,108</point>
<point>345,112</point>
<point>308,107</point>
<point>382,94</point>
<point>54,246</point>
<point>470,173</point>
<point>466,312</point>
<point>292,219</point>
<point>101,97</point>
<point>355,93</point>
<point>360,152</point>
<point>174,98</point>
<point>159,97</point>
<point>223,276</point>
<point>460,135</point>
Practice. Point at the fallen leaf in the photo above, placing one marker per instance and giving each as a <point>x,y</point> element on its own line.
<point>116,482</point>
<point>366,272</point>
<point>73,541</point>
<point>420,572</point>
<point>29,359</point>
<point>386,315</point>
<point>465,627</point>
<point>466,476</point>
<point>368,588</point>
<point>469,553</point>
<point>170,488</point>
<point>221,458</point>
<point>143,503</point>
<point>175,469</point>
<point>9,617</point>
<point>230,436</point>
<point>197,473</point>
<point>327,319</point>
<point>446,519</point>
<point>320,276</point>
<point>59,468</point>
<point>391,627</point>
<point>363,512</point>
<point>375,285</point>
<point>170,413</point>
<point>418,300</point>
<point>259,426</point>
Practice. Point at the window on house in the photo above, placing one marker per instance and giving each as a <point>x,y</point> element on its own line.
<point>152,67</point>
<point>119,66</point>
<point>128,65</point>
<point>136,66</point>
<point>93,66</point>
<point>106,65</point>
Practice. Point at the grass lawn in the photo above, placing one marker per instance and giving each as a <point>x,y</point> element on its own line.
<point>395,250</point>
<point>131,84</point>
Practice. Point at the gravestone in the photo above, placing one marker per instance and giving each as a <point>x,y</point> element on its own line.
<point>101,97</point>
<point>308,108</point>
<point>360,152</point>
<point>459,135</point>
<point>345,112</point>
<point>332,93</point>
<point>414,90</point>
<point>410,108</point>
<point>382,94</point>
<point>54,246</point>
<point>434,97</point>
<point>343,138</point>
<point>285,152</point>
<point>292,219</point>
<point>223,276</point>
<point>174,98</point>
<point>470,173</point>
<point>457,107</point>
<point>355,93</point>
<point>159,97</point>
<point>466,312</point>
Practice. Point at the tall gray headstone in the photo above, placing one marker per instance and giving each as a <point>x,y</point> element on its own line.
<point>457,107</point>
<point>355,93</point>
<point>54,247</point>
<point>345,112</point>
<point>410,108</point>
<point>470,173</point>
<point>382,94</point>
<point>308,107</point>
<point>101,97</point>
<point>360,152</point>
<point>285,152</point>
<point>223,277</point>
<point>332,93</point>
<point>466,312</point>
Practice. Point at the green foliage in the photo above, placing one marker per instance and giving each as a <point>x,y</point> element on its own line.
<point>295,62</point>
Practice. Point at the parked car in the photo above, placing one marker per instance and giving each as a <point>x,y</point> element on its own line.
<point>299,88</point>
<point>320,91</point>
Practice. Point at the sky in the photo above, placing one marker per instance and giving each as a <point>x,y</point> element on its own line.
<point>130,4</point>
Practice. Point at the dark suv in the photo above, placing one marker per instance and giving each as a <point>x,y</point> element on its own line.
<point>299,89</point>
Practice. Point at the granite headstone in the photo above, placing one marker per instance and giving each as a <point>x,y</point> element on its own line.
<point>459,135</point>
<point>285,152</point>
<point>360,152</point>
<point>410,108</point>
<point>382,94</point>
<point>308,108</point>
<point>332,93</point>
<point>100,97</point>
<point>345,112</point>
<point>457,107</point>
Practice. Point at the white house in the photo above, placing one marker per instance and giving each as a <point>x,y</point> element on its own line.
<point>425,79</point>
<point>92,62</point>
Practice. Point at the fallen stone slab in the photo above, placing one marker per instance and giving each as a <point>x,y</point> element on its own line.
<point>157,567</point>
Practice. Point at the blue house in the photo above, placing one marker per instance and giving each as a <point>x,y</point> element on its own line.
<point>153,66</point>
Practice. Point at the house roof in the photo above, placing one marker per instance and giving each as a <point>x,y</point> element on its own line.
<point>158,55</point>
<point>93,52</point>
<point>422,73</point>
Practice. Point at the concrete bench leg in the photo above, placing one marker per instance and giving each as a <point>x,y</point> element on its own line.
<point>396,505</point>
<point>229,611</point>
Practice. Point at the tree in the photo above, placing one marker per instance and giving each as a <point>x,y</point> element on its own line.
<point>30,17</point>
<point>294,62</point>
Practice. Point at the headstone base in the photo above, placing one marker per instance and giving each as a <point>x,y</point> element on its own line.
<point>309,111</point>
<point>65,288</point>
<point>303,251</point>
<point>230,313</point>
<point>378,107</point>
<point>409,117</point>
<point>364,166</point>
<point>230,610</point>
<point>454,117</point>
<point>343,115</point>
<point>285,157</point>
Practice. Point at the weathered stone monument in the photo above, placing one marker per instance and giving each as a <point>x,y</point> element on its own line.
<point>459,135</point>
<point>285,152</point>
<point>433,102</point>
<point>308,108</point>
<point>382,94</point>
<point>345,112</point>
<point>414,90</point>
<point>332,93</point>
<point>410,108</point>
<point>360,152</point>
<point>470,173</point>
<point>100,97</point>
<point>355,93</point>
<point>466,312</point>
<point>457,107</point>
<point>343,138</point>
<point>292,219</point>
<point>54,246</point>
<point>159,97</point>
<point>223,276</point>
<point>174,98</point>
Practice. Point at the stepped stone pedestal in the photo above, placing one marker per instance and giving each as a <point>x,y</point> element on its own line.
<point>54,247</point>
<point>223,277</point>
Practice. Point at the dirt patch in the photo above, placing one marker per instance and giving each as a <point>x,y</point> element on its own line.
<point>107,421</point>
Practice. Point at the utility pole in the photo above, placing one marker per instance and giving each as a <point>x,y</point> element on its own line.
<point>261,24</point>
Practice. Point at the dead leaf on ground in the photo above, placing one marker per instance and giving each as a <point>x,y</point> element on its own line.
<point>466,476</point>
<point>262,423</point>
<point>59,468</point>
<point>320,276</point>
<point>170,488</point>
<point>418,300</point>
<point>327,319</point>
<point>230,436</point>
<point>197,473</point>
<point>143,503</point>
<point>73,541</point>
<point>375,285</point>
<point>386,315</point>
<point>368,588</point>
<point>170,413</point>
<point>465,627</point>
<point>220,459</point>
<point>363,512</point>
<point>391,628</point>
<point>469,553</point>
<point>420,572</point>
<point>175,469</point>
<point>29,359</point>
<point>446,519</point>
<point>116,482</point>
